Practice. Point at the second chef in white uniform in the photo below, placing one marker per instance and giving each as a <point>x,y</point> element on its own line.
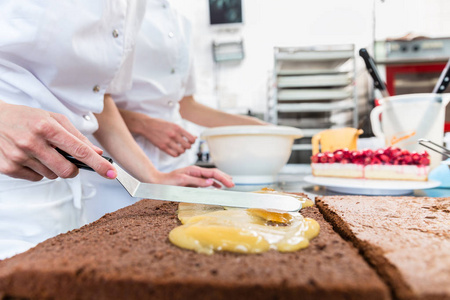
<point>160,100</point>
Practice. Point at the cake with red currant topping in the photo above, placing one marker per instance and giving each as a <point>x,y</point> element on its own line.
<point>384,164</point>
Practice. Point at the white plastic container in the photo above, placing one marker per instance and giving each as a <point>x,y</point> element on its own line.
<point>407,118</point>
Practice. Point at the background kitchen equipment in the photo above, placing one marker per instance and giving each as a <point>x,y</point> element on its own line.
<point>442,172</point>
<point>315,88</point>
<point>407,118</point>
<point>435,147</point>
<point>334,139</point>
<point>443,81</point>
<point>373,71</point>
<point>413,66</point>
<point>225,12</point>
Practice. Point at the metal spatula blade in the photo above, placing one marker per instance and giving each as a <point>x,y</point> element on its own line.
<point>204,196</point>
<point>196,195</point>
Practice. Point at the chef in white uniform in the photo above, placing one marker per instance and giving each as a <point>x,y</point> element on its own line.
<point>62,57</point>
<point>65,58</point>
<point>158,102</point>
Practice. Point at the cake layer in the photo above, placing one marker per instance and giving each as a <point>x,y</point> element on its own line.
<point>396,172</point>
<point>338,170</point>
<point>407,239</point>
<point>377,171</point>
<point>127,255</point>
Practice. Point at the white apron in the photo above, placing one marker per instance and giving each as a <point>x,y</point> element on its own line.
<point>33,212</point>
<point>108,197</point>
<point>61,56</point>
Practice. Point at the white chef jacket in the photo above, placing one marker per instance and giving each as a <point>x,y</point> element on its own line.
<point>162,76</point>
<point>61,56</point>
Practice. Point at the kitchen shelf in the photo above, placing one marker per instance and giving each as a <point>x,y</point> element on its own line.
<point>315,55</point>
<point>316,107</point>
<point>313,94</point>
<point>314,80</point>
<point>313,88</point>
<point>308,72</point>
<point>302,147</point>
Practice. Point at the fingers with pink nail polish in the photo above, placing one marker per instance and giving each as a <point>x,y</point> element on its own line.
<point>112,174</point>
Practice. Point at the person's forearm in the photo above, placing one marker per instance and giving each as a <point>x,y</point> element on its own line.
<point>135,121</point>
<point>115,137</point>
<point>209,117</point>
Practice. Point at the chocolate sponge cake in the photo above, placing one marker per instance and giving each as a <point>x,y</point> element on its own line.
<point>406,239</point>
<point>127,255</point>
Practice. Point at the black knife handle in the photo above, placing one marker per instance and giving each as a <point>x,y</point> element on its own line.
<point>373,71</point>
<point>78,163</point>
<point>443,81</point>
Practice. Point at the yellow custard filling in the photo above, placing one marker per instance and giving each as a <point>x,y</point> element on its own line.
<point>305,201</point>
<point>207,229</point>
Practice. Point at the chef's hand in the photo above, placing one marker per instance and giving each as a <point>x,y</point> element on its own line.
<point>169,137</point>
<point>194,176</point>
<point>28,138</point>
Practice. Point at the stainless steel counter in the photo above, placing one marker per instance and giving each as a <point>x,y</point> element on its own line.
<point>290,180</point>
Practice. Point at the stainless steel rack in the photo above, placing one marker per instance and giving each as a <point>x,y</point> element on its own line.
<point>313,88</point>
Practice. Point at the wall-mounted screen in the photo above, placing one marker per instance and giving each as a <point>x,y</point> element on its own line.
<point>222,12</point>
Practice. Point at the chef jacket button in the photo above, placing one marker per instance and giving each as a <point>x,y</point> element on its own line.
<point>172,71</point>
<point>171,35</point>
<point>170,103</point>
<point>96,89</point>
<point>87,117</point>
<point>164,5</point>
<point>115,33</point>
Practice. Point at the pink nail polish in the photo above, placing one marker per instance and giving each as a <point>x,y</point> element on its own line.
<point>209,181</point>
<point>111,174</point>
